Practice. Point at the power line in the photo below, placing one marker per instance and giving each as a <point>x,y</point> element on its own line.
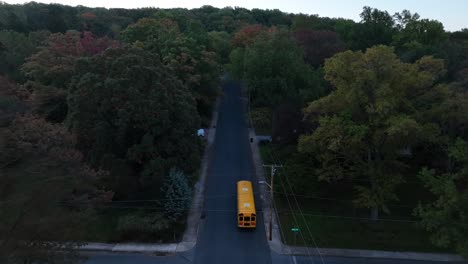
<point>280,225</point>
<point>273,170</point>
<point>361,218</point>
<point>404,177</point>
<point>300,211</point>
<point>339,200</point>
<point>251,124</point>
<point>291,211</point>
<point>297,224</point>
<point>312,197</point>
<point>231,195</point>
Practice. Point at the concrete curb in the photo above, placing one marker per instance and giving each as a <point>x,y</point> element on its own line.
<point>277,245</point>
<point>189,239</point>
<point>359,253</point>
<point>193,219</point>
<point>139,247</point>
<point>131,247</point>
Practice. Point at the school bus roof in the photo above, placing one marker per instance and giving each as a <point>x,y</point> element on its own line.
<point>245,198</point>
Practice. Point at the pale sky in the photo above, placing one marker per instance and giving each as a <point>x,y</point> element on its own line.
<point>452,13</point>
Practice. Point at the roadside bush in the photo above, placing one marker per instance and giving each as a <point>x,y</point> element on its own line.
<point>261,118</point>
<point>178,194</point>
<point>142,223</point>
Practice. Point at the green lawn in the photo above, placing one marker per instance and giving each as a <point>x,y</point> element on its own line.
<point>336,232</point>
<point>337,224</point>
<point>103,228</point>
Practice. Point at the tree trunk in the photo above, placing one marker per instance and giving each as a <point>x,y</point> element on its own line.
<point>374,213</point>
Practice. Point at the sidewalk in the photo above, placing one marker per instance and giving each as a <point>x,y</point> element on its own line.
<point>277,245</point>
<point>359,253</point>
<point>189,239</point>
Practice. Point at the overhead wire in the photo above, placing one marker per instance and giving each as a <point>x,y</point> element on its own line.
<point>273,201</point>
<point>300,232</point>
<point>300,211</point>
<point>161,208</point>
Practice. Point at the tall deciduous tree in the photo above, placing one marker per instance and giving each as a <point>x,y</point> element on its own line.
<point>246,35</point>
<point>133,117</point>
<point>377,27</point>
<point>418,37</point>
<point>219,41</point>
<point>366,122</point>
<point>50,70</point>
<point>196,66</point>
<point>446,218</point>
<point>14,49</point>
<point>274,67</point>
<point>46,193</point>
<point>318,45</point>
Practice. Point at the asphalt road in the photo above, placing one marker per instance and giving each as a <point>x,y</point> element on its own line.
<point>219,239</point>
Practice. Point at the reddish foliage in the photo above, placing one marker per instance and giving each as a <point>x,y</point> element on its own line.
<point>318,45</point>
<point>36,133</point>
<point>169,24</point>
<point>54,63</point>
<point>88,16</point>
<point>66,44</point>
<point>77,44</point>
<point>54,147</point>
<point>93,45</point>
<point>246,35</point>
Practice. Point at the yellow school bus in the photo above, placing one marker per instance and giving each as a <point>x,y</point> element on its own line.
<point>246,215</point>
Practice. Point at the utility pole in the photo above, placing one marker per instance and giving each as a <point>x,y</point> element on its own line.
<point>272,170</point>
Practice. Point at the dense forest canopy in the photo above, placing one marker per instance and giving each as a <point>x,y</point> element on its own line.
<point>109,101</point>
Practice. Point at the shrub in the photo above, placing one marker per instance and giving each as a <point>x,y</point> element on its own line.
<point>142,223</point>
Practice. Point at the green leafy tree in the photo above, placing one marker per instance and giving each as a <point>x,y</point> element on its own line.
<point>15,48</point>
<point>177,193</point>
<point>274,68</point>
<point>446,218</point>
<point>376,28</point>
<point>236,62</point>
<point>219,41</point>
<point>133,117</point>
<point>418,37</point>
<point>196,66</point>
<point>346,30</point>
<point>366,122</point>
<point>302,22</point>
<point>10,101</point>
